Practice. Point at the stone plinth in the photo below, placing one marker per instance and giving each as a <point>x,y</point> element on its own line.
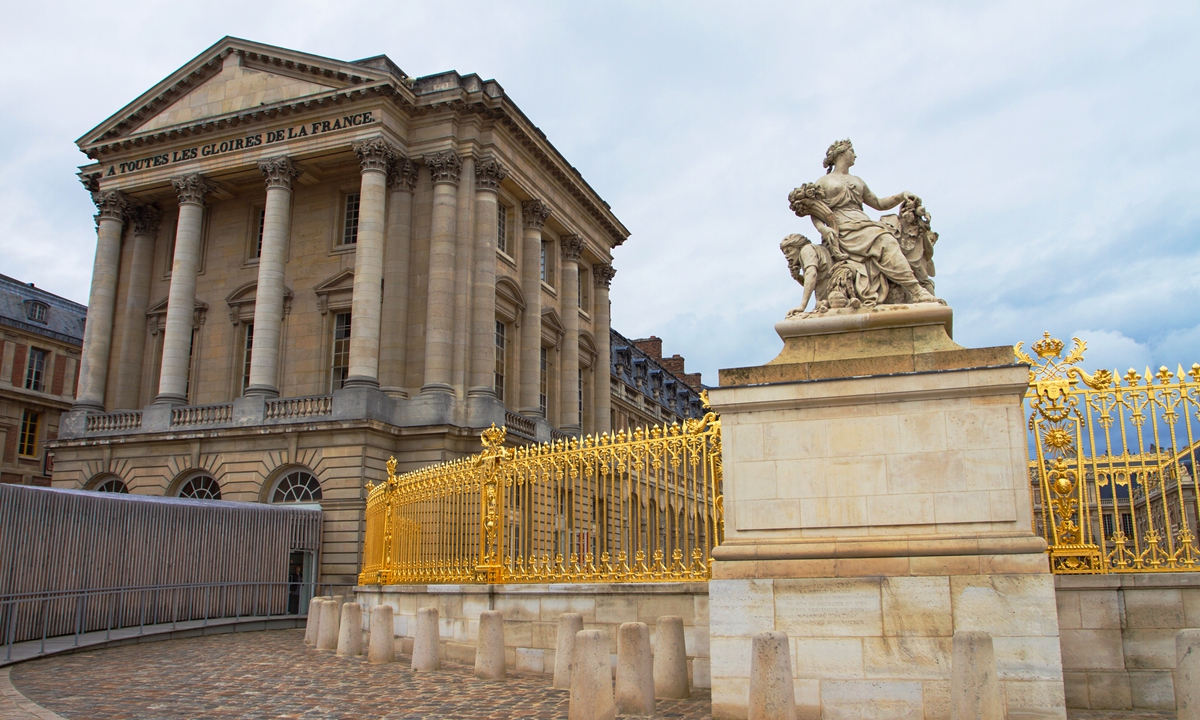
<point>871,515</point>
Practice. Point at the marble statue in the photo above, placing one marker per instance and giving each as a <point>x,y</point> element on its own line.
<point>860,262</point>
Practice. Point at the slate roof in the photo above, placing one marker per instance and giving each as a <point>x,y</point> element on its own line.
<point>64,318</point>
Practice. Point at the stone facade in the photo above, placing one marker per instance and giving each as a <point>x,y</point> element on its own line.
<point>40,338</point>
<point>305,266</point>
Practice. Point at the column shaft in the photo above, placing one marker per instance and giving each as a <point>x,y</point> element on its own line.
<point>444,169</point>
<point>602,374</point>
<point>488,176</point>
<point>464,252</point>
<point>181,299</point>
<point>268,296</point>
<point>568,379</point>
<point>97,332</point>
<point>133,336</point>
<point>534,214</point>
<point>394,320</point>
<point>375,157</point>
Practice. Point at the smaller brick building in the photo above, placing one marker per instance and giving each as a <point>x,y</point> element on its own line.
<point>647,388</point>
<point>41,335</point>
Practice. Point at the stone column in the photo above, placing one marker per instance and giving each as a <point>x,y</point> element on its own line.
<point>146,220</point>
<point>601,383</point>
<point>463,254</point>
<point>97,332</point>
<point>375,156</point>
<point>181,299</point>
<point>444,170</point>
<point>268,296</point>
<point>534,213</point>
<point>488,176</point>
<point>394,320</point>
<point>568,382</point>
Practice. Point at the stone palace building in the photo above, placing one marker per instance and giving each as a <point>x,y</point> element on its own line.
<point>305,266</point>
<point>40,337</point>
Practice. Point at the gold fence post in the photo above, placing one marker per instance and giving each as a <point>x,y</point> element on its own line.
<point>491,510</point>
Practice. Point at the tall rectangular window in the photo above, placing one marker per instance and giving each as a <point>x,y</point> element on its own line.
<point>350,220</point>
<point>501,344</point>
<point>585,297</point>
<point>247,350</point>
<point>262,224</point>
<point>1127,526</point>
<point>35,372</point>
<point>543,378</point>
<point>341,349</point>
<point>30,421</point>
<point>502,228</point>
<point>191,352</point>
<point>547,263</point>
<point>581,396</point>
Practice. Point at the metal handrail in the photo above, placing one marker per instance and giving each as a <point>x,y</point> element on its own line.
<point>143,606</point>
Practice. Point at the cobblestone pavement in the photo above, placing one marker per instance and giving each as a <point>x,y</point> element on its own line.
<point>273,675</point>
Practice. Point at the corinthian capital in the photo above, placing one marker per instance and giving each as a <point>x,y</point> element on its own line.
<point>375,154</point>
<point>404,174</point>
<point>572,247</point>
<point>146,220</point>
<point>192,188</point>
<point>534,212</point>
<point>603,273</point>
<point>113,205</point>
<point>279,171</point>
<point>489,174</point>
<point>444,167</point>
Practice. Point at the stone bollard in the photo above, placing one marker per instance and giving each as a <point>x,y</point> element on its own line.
<point>591,678</point>
<point>974,687</point>
<point>381,647</point>
<point>568,625</point>
<point>350,634</point>
<point>635,670</point>
<point>489,652</point>
<point>1187,674</point>
<point>327,633</point>
<point>427,653</point>
<point>313,622</point>
<point>772,696</point>
<point>670,659</point>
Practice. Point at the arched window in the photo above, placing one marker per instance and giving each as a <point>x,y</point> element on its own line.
<point>112,485</point>
<point>297,486</point>
<point>200,487</point>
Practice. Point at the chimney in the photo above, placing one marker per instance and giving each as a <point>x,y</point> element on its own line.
<point>652,346</point>
<point>674,364</point>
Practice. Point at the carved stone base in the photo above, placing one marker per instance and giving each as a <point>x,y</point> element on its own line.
<point>881,340</point>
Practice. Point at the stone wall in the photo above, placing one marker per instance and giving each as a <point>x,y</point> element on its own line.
<point>1118,637</point>
<point>531,615</point>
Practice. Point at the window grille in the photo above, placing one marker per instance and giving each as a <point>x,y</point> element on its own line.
<point>502,228</point>
<point>543,378</point>
<point>30,422</point>
<point>262,224</point>
<point>35,372</point>
<point>350,223</point>
<point>113,485</point>
<point>37,312</point>
<point>297,486</point>
<point>200,487</point>
<point>341,349</point>
<point>501,344</point>
<point>247,351</point>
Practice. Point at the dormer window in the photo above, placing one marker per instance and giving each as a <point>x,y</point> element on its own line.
<point>37,312</point>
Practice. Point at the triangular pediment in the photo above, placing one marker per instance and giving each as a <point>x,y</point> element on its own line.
<point>234,76</point>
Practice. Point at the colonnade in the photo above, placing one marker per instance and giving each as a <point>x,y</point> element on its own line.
<point>460,299</point>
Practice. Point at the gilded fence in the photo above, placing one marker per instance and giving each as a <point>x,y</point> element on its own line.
<point>1112,463</point>
<point>642,506</point>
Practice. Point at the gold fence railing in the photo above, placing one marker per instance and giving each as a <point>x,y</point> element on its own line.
<point>642,506</point>
<point>1113,463</point>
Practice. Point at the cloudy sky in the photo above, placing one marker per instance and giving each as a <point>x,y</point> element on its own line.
<point>1055,144</point>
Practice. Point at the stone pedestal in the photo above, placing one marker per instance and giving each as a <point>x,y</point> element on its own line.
<point>876,501</point>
